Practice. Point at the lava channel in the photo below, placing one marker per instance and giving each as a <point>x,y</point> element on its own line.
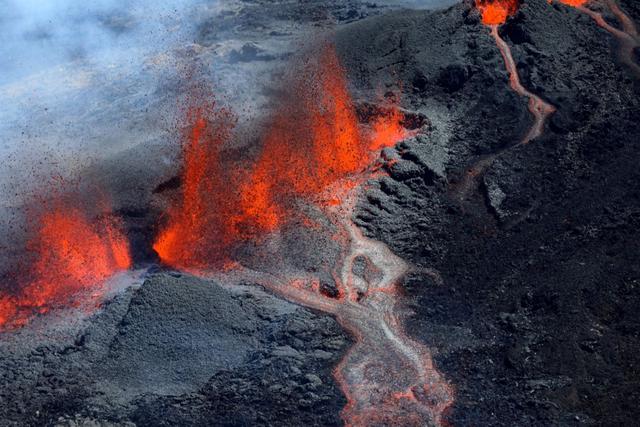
<point>628,38</point>
<point>494,13</point>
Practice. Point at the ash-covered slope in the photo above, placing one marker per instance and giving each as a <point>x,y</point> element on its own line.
<point>177,351</point>
<point>536,321</point>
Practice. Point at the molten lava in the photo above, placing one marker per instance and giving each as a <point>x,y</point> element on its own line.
<point>72,255</point>
<point>199,225</point>
<point>496,12</point>
<point>313,140</point>
<point>537,106</point>
<point>387,129</point>
<point>539,109</point>
<point>574,2</point>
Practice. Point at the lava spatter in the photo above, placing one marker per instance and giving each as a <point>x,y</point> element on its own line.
<point>313,140</point>
<point>72,254</point>
<point>628,38</point>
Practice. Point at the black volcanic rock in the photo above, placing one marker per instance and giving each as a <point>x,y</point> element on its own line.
<point>178,351</point>
<point>534,324</point>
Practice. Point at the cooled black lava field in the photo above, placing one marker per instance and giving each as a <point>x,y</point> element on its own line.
<point>193,237</point>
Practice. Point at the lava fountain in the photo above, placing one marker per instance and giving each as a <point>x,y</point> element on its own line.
<point>72,254</point>
<point>315,153</point>
<point>627,36</point>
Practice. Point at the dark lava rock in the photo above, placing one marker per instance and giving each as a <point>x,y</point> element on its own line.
<point>453,77</point>
<point>177,351</point>
<point>534,323</point>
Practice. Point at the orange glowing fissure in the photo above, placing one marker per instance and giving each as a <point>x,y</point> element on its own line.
<point>72,255</point>
<point>314,152</point>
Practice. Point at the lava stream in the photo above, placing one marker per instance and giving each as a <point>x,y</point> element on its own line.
<point>540,109</point>
<point>400,385</point>
<point>494,13</point>
<point>628,38</point>
<point>387,377</point>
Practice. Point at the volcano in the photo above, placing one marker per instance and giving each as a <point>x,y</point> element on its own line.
<point>330,213</point>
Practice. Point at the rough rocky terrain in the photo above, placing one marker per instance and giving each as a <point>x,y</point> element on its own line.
<point>177,351</point>
<point>535,322</point>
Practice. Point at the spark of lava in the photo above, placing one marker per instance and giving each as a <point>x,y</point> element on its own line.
<point>628,37</point>
<point>73,254</point>
<point>316,153</point>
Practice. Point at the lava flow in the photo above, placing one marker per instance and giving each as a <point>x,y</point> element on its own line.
<point>494,13</point>
<point>72,256</point>
<point>315,153</point>
<point>388,378</point>
<point>628,38</point>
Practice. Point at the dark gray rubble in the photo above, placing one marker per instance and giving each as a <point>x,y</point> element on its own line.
<point>177,351</point>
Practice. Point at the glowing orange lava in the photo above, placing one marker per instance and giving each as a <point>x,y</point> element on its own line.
<point>574,2</point>
<point>199,226</point>
<point>72,254</point>
<point>387,129</point>
<point>496,12</point>
<point>313,140</point>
